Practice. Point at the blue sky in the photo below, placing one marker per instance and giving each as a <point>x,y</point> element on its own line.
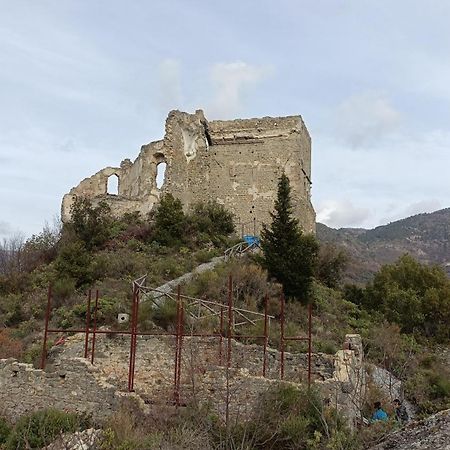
<point>83,84</point>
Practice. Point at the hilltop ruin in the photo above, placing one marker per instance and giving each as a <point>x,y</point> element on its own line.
<point>235,162</point>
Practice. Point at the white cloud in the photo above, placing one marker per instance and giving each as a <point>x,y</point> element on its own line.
<point>397,212</point>
<point>230,82</point>
<point>364,119</point>
<point>169,92</point>
<point>341,213</point>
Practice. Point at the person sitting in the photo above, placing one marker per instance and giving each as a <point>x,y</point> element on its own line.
<point>379,413</point>
<point>401,414</point>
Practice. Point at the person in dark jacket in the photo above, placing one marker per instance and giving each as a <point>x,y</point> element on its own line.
<point>400,412</point>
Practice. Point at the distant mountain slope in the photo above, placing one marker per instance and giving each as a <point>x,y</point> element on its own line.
<point>424,236</point>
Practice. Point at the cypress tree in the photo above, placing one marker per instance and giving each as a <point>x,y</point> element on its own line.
<point>288,255</point>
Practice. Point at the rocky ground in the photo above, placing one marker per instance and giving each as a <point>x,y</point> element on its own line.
<point>432,433</point>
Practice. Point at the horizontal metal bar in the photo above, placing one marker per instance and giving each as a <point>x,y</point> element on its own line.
<point>294,338</point>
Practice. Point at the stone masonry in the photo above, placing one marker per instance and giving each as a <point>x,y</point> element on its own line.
<point>71,383</point>
<point>69,387</point>
<point>235,162</point>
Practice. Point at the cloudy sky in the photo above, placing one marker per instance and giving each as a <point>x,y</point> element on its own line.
<point>84,83</point>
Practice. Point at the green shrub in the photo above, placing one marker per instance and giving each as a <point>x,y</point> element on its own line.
<point>42,427</point>
<point>169,221</point>
<point>413,295</point>
<point>5,430</point>
<point>165,314</point>
<point>33,354</point>
<point>74,262</point>
<point>63,288</point>
<point>211,220</point>
<point>90,224</point>
<point>288,417</point>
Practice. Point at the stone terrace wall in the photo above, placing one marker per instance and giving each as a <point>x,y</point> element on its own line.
<point>71,383</point>
<point>69,387</point>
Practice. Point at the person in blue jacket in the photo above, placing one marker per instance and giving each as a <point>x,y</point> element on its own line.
<point>379,413</point>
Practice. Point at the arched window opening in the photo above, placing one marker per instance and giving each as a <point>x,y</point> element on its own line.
<point>160,174</point>
<point>113,185</point>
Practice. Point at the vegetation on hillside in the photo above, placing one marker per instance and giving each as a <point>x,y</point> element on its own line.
<point>402,314</point>
<point>96,250</point>
<point>426,237</point>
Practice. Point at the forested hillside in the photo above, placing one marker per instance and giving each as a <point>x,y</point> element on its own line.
<point>426,237</point>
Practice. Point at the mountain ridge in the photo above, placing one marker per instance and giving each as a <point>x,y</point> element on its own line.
<point>424,236</point>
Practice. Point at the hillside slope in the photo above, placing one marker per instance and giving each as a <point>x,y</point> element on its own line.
<point>432,433</point>
<point>424,236</point>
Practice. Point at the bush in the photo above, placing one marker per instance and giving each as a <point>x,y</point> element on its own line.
<point>91,225</point>
<point>429,386</point>
<point>62,289</point>
<point>413,295</point>
<point>5,431</point>
<point>10,347</point>
<point>165,314</point>
<point>211,220</point>
<point>42,427</point>
<point>331,264</point>
<point>290,418</point>
<point>170,221</point>
<point>74,262</point>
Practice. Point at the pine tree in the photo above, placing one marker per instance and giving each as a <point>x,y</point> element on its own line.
<point>289,255</point>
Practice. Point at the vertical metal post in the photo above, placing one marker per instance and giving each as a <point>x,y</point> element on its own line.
<point>242,231</point>
<point>95,327</point>
<point>254,226</point>
<point>47,318</point>
<point>135,339</point>
<point>309,342</point>
<point>265,334</point>
<point>177,346</point>
<point>282,338</point>
<point>132,347</point>
<point>221,336</point>
<point>88,324</point>
<point>180,347</point>
<point>230,317</point>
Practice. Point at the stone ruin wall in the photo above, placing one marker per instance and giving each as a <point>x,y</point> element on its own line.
<point>236,162</point>
<point>70,387</point>
<point>71,383</point>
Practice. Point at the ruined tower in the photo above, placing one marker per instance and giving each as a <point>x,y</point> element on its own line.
<point>235,162</point>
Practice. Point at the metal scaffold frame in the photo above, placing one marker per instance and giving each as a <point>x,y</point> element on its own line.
<point>228,316</point>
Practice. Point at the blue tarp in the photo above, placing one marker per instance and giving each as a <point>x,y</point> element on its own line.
<point>251,240</point>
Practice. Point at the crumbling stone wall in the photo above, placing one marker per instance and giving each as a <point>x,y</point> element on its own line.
<point>72,383</point>
<point>346,388</point>
<point>70,387</point>
<point>235,162</point>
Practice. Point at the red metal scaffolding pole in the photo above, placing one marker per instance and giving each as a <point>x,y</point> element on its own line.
<point>221,336</point>
<point>180,348</point>
<point>309,342</point>
<point>134,313</point>
<point>230,318</point>
<point>176,393</point>
<point>266,336</point>
<point>94,331</point>
<point>47,318</point>
<point>88,324</point>
<point>282,336</point>
<point>135,339</point>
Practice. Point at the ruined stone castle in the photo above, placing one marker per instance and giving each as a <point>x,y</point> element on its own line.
<point>235,162</point>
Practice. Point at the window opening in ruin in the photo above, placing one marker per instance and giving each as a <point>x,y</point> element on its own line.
<point>113,185</point>
<point>160,174</point>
